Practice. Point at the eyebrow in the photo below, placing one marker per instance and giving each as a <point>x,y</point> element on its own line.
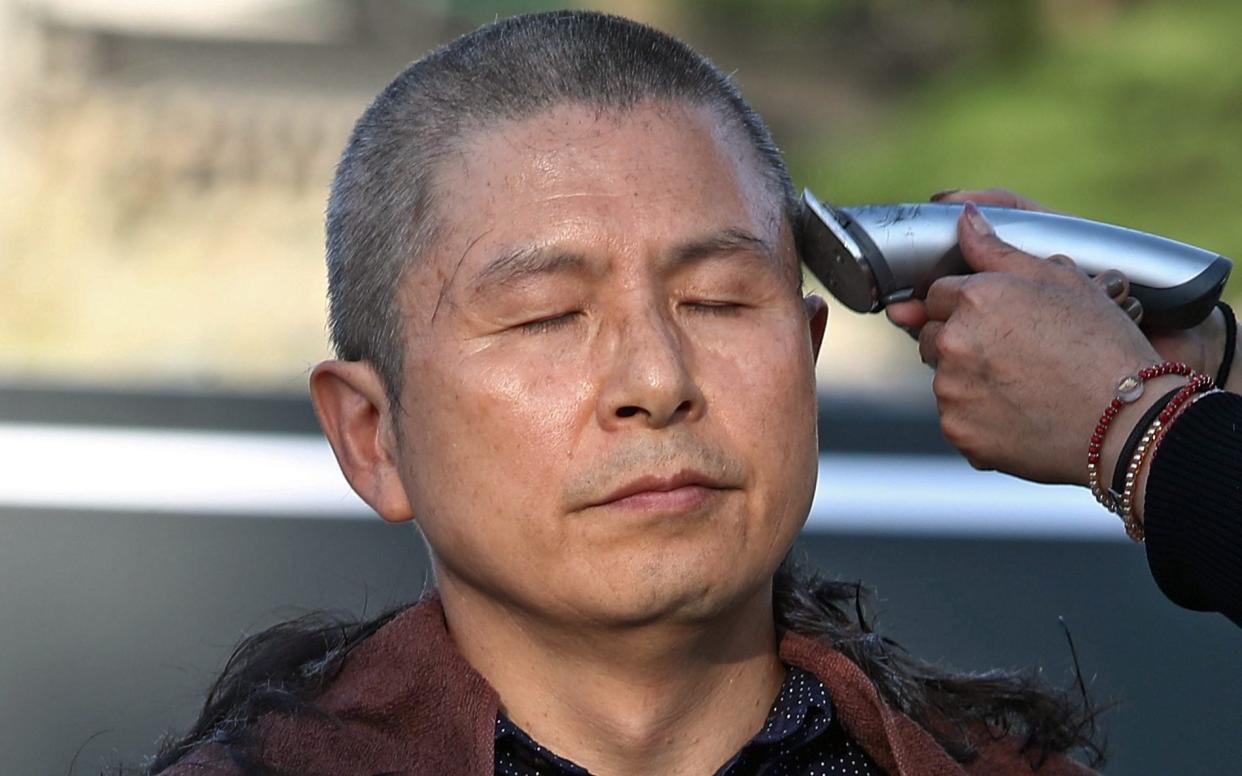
<point>527,262</point>
<point>721,243</point>
<point>532,260</point>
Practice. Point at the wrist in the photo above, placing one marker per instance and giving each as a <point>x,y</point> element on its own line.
<point>1128,417</point>
<point>1139,468</point>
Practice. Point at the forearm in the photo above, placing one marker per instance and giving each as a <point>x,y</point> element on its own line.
<point>1189,496</point>
<point>1233,385</point>
<point>1194,508</point>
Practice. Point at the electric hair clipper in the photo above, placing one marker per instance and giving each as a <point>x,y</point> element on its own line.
<point>875,255</point>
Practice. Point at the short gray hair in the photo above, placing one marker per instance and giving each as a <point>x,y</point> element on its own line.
<point>381,212</point>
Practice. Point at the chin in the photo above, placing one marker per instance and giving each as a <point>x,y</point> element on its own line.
<point>693,574</point>
<point>666,590</point>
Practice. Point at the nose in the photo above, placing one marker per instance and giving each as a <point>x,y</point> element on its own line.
<point>648,376</point>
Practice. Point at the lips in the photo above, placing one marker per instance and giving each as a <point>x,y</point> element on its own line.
<point>684,489</point>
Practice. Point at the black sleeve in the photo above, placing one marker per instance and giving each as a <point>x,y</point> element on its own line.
<point>1193,512</point>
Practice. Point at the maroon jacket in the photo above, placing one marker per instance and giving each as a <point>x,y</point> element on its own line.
<point>406,702</point>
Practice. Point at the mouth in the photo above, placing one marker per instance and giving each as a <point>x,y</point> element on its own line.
<point>684,491</point>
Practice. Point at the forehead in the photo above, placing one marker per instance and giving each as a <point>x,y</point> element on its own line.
<point>656,148</point>
<point>625,182</point>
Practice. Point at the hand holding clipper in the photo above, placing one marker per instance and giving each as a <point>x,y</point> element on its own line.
<point>875,255</point>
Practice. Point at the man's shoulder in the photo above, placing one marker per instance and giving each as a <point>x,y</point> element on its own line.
<point>891,737</point>
<point>402,695</point>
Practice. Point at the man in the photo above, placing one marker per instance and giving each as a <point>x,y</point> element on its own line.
<point>565,293</point>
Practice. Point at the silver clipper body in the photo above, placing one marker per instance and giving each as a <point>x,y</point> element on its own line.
<point>874,255</point>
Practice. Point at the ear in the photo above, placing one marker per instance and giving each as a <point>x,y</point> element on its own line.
<point>817,319</point>
<point>352,406</point>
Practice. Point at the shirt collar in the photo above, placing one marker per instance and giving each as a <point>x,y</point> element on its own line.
<point>801,712</point>
<point>514,742</point>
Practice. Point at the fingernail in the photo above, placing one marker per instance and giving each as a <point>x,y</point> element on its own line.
<point>1116,284</point>
<point>939,195</point>
<point>976,220</point>
<point>1133,308</point>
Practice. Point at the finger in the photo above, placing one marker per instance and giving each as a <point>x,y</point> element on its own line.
<point>1114,283</point>
<point>995,197</point>
<point>1133,308</point>
<point>909,315</point>
<point>928,353</point>
<point>1061,260</point>
<point>943,297</point>
<point>985,252</point>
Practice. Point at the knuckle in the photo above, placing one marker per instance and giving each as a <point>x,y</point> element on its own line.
<point>1050,270</point>
<point>966,444</point>
<point>950,342</point>
<point>939,286</point>
<point>978,291</point>
<point>942,290</point>
<point>954,432</point>
<point>976,460</point>
<point>1063,270</point>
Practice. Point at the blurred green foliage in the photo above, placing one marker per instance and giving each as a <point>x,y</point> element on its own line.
<point>482,11</point>
<point>778,14</point>
<point>1136,119</point>
<point>764,13</point>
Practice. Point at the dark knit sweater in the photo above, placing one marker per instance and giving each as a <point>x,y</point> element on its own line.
<point>1193,517</point>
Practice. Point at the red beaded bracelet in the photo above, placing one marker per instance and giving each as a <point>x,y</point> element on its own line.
<point>1147,447</point>
<point>1129,389</point>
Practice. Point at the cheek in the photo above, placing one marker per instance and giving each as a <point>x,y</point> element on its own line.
<point>493,436</point>
<point>762,393</point>
<point>541,401</point>
<point>758,378</point>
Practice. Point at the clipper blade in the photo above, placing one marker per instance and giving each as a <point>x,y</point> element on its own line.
<point>836,257</point>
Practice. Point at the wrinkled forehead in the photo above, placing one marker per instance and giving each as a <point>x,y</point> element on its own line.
<point>654,138</point>
<point>615,179</point>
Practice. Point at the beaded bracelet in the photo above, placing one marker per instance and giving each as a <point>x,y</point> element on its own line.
<point>1132,441</point>
<point>1129,389</point>
<point>1149,443</point>
<point>1134,529</point>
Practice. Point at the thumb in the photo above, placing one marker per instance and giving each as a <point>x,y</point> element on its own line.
<point>985,252</point>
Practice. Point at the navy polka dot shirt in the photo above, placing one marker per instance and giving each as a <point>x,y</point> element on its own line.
<point>802,737</point>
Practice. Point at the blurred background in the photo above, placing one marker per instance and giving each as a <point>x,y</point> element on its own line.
<point>163,489</point>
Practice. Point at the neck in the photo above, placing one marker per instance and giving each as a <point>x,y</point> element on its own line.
<point>673,698</point>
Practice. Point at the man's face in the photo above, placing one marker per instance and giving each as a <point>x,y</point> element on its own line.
<point>609,385</point>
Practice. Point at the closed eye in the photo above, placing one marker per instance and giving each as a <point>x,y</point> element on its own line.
<point>713,307</point>
<point>550,323</point>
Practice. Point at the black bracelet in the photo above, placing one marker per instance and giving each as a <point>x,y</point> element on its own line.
<point>1132,441</point>
<point>1231,344</point>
